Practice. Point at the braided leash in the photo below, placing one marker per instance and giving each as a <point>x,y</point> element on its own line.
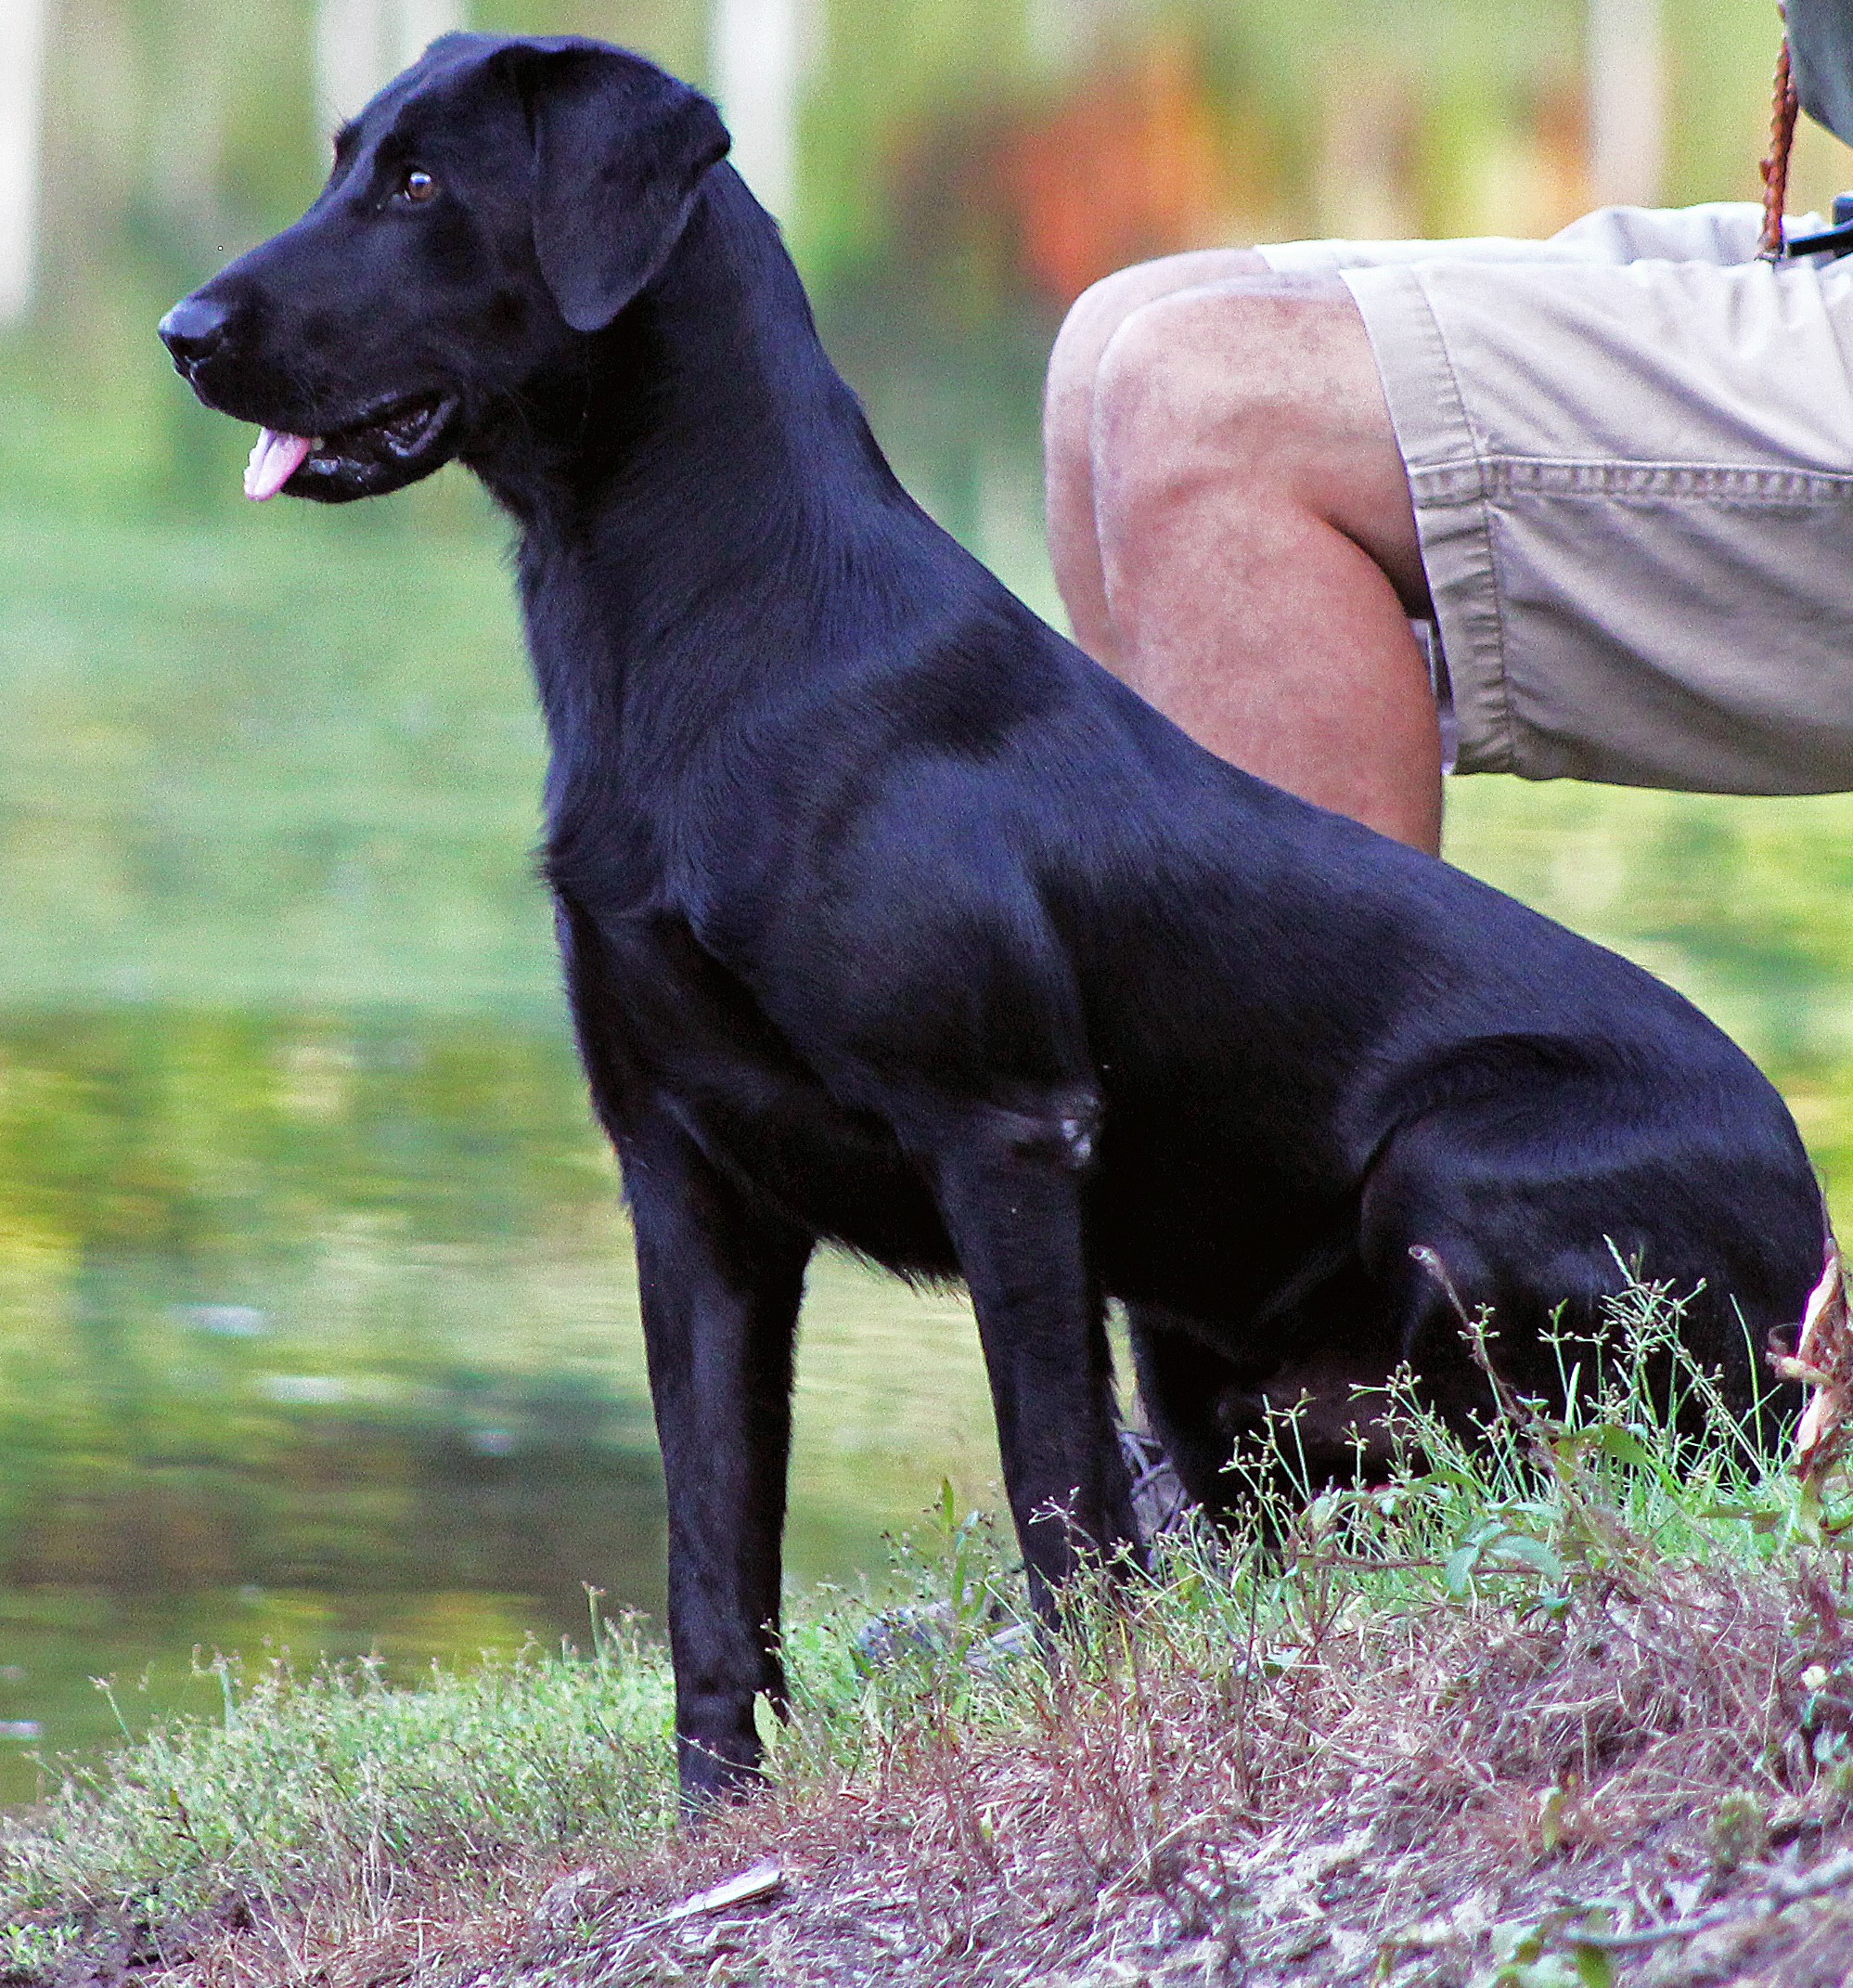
<point>1776,166</point>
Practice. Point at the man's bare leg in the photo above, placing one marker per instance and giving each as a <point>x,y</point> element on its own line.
<point>1068,421</point>
<point>1232,531</point>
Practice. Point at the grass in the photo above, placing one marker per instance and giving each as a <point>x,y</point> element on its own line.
<point>1561,1707</point>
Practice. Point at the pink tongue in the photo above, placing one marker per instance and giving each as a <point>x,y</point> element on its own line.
<point>273,461</point>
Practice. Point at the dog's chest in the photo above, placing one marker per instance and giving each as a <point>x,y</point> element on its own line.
<point>689,1036</point>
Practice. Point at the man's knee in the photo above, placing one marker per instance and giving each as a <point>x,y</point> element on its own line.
<point>1265,391</point>
<point>1098,313</point>
<point>1220,377</point>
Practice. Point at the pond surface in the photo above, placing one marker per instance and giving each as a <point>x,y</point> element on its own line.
<point>318,1318</point>
<point>321,1330</point>
<point>318,1315</point>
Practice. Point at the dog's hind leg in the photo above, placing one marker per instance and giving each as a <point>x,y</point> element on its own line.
<point>1015,1221</point>
<point>1182,1385</point>
<point>1501,1206</point>
<point>1308,1416</point>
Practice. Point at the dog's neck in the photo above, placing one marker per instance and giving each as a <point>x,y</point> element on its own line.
<point>705,508</point>
<point>710,402</point>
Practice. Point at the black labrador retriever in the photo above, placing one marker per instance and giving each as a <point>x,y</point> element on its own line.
<point>890,920</point>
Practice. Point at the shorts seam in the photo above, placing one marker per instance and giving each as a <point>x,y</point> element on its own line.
<point>1507,759</point>
<point>1496,477</point>
<point>1633,490</point>
<point>1694,481</point>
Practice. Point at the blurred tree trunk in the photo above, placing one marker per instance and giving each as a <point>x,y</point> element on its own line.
<point>1628,102</point>
<point>361,44</point>
<point>23,38</point>
<point>761,53</point>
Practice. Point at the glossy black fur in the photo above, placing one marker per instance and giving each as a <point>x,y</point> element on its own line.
<point>891,920</point>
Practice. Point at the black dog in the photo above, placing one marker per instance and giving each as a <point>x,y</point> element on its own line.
<point>891,920</point>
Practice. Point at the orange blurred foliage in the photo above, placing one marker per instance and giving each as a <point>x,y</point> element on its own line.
<point>1132,165</point>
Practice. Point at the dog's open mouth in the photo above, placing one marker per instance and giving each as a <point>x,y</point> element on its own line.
<point>390,447</point>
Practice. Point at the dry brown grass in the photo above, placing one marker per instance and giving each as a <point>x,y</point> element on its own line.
<point>1576,1709</point>
<point>1376,1810</point>
<point>1395,1798</point>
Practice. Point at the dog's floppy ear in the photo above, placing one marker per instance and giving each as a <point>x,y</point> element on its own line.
<point>620,150</point>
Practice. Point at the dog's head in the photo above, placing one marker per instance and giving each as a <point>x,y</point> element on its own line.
<point>499,202</point>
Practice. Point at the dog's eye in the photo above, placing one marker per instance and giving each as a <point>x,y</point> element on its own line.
<point>419,185</point>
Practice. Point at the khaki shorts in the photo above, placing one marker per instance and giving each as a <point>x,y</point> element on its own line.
<point>1631,453</point>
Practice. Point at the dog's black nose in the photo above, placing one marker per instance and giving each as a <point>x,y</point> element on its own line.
<point>194,330</point>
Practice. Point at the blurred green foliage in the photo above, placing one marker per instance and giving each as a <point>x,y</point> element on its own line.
<point>179,130</point>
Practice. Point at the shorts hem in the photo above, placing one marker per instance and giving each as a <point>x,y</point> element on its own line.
<point>1450,487</point>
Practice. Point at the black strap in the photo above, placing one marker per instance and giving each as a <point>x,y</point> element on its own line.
<point>1829,241</point>
<point>1834,240</point>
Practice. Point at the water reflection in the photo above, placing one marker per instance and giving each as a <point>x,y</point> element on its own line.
<point>323,1330</point>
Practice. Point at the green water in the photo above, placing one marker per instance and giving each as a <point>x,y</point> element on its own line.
<point>317,1321</point>
<point>317,1318</point>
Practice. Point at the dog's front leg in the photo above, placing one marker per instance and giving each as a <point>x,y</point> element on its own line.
<point>720,1280</point>
<point>1015,1220</point>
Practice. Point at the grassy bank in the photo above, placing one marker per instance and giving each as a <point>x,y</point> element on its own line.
<point>1575,1708</point>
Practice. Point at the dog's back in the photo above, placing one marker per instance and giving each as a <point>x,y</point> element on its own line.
<point>1295,1042</point>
